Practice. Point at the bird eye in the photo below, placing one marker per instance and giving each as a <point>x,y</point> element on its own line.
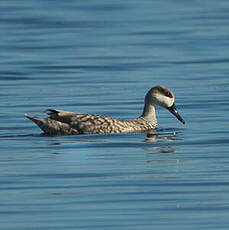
<point>168,94</point>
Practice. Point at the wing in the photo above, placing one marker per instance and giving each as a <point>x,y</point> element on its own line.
<point>63,116</point>
<point>86,123</point>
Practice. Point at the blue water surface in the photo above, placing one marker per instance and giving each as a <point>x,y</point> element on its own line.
<point>102,57</point>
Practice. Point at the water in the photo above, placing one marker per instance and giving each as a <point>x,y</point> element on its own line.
<point>101,57</point>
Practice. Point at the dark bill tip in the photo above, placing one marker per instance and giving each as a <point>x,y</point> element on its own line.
<point>174,111</point>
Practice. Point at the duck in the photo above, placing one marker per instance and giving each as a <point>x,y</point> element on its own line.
<point>61,122</point>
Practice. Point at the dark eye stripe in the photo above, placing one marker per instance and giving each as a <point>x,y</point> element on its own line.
<point>165,92</point>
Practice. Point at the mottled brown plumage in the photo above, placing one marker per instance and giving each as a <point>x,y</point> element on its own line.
<point>68,123</point>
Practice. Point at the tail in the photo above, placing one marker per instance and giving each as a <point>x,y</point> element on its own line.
<point>52,127</point>
<point>39,121</point>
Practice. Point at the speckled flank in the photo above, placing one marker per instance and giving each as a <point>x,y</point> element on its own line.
<point>68,123</point>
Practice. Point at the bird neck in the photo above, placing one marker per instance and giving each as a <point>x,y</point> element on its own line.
<point>149,113</point>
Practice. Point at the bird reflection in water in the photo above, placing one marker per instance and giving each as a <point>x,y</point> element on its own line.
<point>160,138</point>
